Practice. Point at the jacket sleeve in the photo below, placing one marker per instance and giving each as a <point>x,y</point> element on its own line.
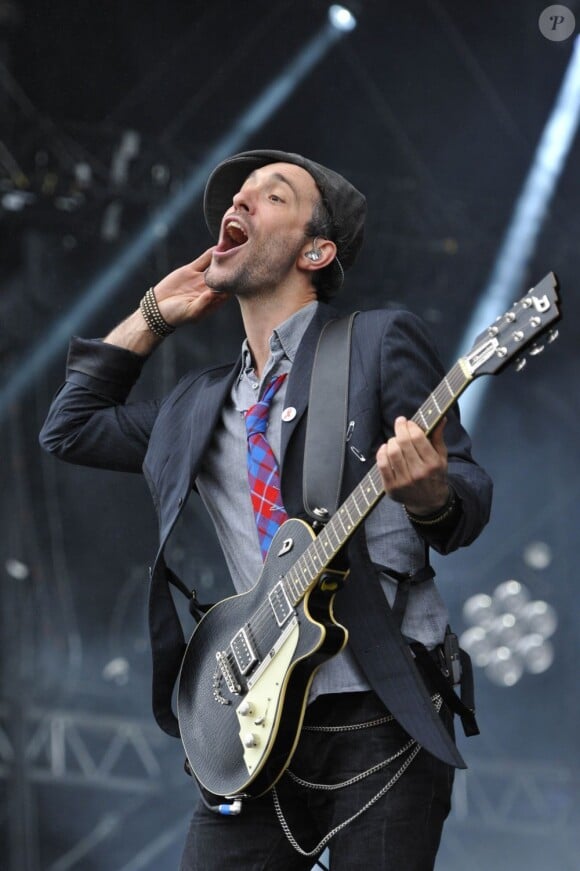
<point>410,371</point>
<point>88,422</point>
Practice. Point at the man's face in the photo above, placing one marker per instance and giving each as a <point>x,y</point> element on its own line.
<point>263,233</point>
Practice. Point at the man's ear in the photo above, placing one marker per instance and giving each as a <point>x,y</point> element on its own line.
<point>317,255</point>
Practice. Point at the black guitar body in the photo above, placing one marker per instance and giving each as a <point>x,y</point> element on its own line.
<point>252,656</point>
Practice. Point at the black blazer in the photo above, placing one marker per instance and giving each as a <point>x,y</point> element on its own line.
<point>393,370</point>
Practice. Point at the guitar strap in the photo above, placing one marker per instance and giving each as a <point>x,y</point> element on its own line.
<point>326,436</point>
<point>326,422</point>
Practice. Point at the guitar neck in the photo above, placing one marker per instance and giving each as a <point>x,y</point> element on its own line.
<point>367,494</point>
<point>443,397</point>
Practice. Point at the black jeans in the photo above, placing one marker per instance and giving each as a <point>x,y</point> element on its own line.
<point>400,832</point>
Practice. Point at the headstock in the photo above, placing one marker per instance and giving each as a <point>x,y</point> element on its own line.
<point>516,330</point>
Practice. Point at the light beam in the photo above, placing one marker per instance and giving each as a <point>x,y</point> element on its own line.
<point>105,285</point>
<point>509,271</point>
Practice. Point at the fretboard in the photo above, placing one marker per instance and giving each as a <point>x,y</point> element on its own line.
<point>367,494</point>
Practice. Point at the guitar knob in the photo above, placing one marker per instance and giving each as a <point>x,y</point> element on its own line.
<point>245,709</point>
<point>250,740</point>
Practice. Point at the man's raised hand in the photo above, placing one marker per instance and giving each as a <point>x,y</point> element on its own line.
<point>184,297</point>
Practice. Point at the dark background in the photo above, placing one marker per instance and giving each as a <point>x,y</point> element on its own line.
<point>434,110</point>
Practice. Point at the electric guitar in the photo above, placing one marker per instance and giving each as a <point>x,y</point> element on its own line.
<point>248,667</point>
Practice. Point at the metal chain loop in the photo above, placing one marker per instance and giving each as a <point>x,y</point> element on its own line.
<point>357,777</point>
<point>353,727</point>
<point>411,746</point>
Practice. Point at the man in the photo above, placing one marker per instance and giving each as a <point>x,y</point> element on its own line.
<point>286,228</point>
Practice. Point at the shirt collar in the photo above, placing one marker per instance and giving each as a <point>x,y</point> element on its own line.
<point>285,338</point>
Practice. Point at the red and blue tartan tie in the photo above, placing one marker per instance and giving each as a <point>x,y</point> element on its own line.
<point>263,473</point>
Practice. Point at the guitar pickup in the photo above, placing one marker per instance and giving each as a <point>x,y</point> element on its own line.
<point>280,603</point>
<point>243,651</point>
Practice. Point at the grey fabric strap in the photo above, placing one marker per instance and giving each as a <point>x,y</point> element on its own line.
<point>326,424</point>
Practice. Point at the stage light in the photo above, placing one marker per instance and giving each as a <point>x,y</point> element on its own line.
<point>535,652</point>
<point>15,201</point>
<point>540,617</point>
<point>341,18</point>
<point>505,630</point>
<point>510,597</point>
<point>16,569</point>
<point>478,611</point>
<point>117,671</point>
<point>477,643</point>
<point>538,555</point>
<point>503,667</point>
<point>509,633</point>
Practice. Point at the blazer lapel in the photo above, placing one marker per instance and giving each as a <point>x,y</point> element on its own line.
<point>299,380</point>
<point>182,432</point>
<point>208,409</point>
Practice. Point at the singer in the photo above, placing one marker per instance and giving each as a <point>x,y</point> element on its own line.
<point>286,230</point>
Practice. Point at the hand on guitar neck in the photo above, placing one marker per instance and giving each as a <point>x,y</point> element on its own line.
<point>413,467</point>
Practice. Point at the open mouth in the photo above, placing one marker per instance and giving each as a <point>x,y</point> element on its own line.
<point>233,236</point>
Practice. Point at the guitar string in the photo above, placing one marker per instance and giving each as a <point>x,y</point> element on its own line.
<point>292,578</point>
<point>262,617</point>
<point>263,614</point>
<point>443,396</point>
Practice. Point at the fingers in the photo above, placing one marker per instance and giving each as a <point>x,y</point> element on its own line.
<point>413,468</point>
<point>409,449</point>
<point>386,467</point>
<point>201,263</point>
<point>437,439</point>
<point>187,278</point>
<point>411,443</point>
<point>209,300</point>
<point>183,296</point>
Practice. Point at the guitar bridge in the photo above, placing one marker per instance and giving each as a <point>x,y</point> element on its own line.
<point>227,672</point>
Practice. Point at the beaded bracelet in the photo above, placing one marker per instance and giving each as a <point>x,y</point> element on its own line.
<point>153,317</point>
<point>438,516</point>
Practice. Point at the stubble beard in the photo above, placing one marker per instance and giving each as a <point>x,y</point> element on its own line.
<point>258,275</point>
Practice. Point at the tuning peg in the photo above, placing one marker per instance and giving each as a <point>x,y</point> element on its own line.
<point>552,336</point>
<point>520,363</point>
<point>535,350</point>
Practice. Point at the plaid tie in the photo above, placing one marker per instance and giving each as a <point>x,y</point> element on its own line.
<point>263,474</point>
